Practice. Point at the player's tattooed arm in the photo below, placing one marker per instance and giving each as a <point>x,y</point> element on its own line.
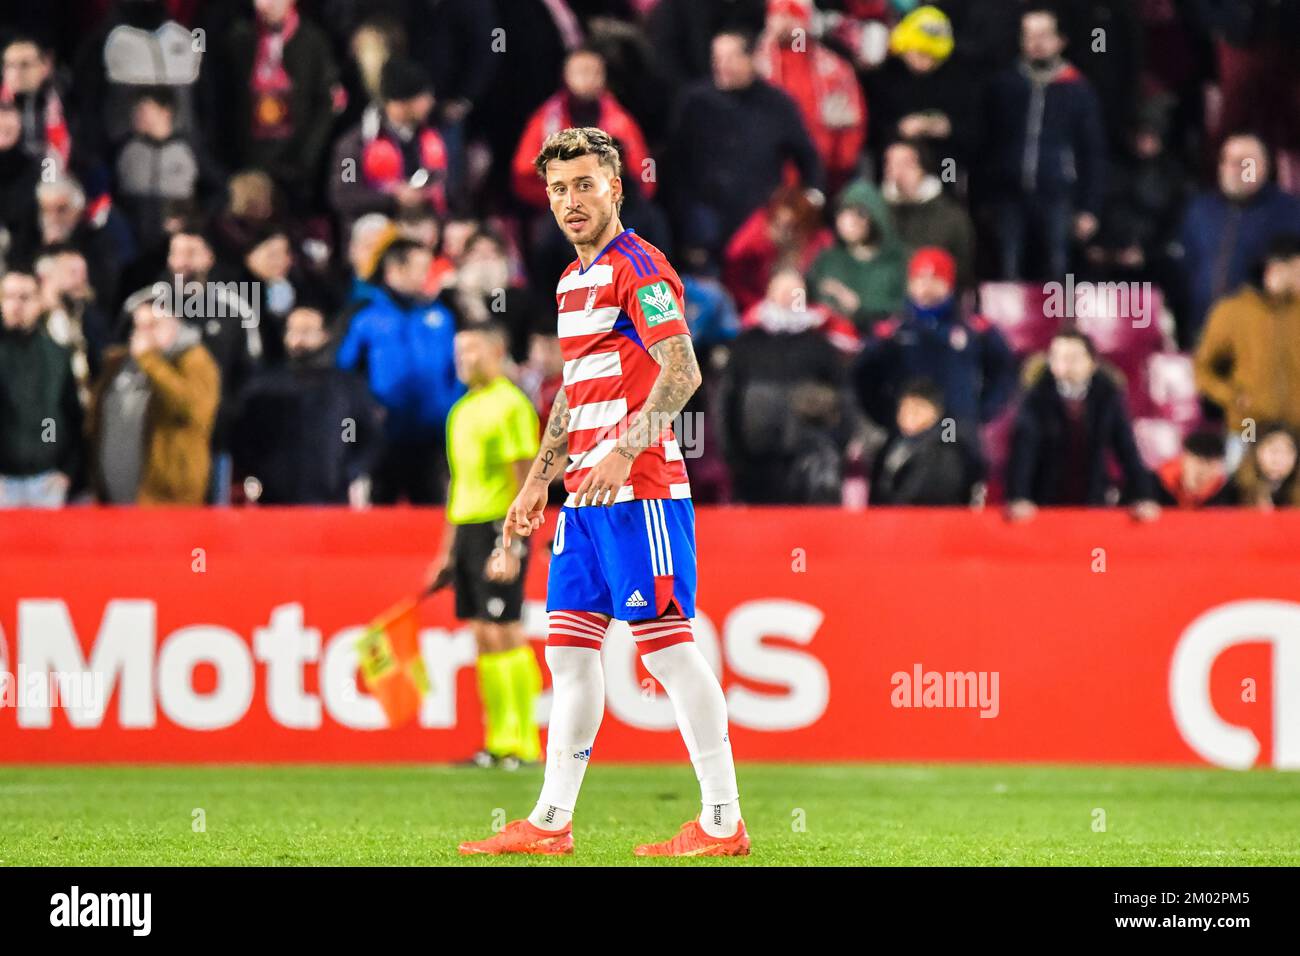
<point>679,377</point>
<point>554,452</point>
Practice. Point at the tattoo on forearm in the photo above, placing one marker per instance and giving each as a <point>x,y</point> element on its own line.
<point>555,442</point>
<point>679,377</point>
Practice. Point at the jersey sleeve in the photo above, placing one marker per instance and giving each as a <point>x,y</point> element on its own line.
<point>654,300</point>
<point>521,431</point>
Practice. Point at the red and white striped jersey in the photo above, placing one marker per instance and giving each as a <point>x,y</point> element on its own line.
<point>610,314</point>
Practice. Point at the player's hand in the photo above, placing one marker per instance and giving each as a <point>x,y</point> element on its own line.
<point>438,575</point>
<point>141,343</point>
<point>1085,226</point>
<point>526,512</point>
<point>1021,510</point>
<point>602,484</point>
<point>1146,511</point>
<point>502,566</point>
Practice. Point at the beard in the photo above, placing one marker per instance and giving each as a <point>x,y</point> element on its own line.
<point>591,230</point>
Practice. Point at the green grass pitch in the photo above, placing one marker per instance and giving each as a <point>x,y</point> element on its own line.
<point>797,815</point>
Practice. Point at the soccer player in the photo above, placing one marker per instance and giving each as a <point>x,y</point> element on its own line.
<point>491,440</point>
<point>625,539</point>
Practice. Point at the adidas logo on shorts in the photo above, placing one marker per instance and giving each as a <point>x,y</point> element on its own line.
<point>636,600</point>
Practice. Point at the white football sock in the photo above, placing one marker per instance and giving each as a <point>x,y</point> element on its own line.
<point>701,711</point>
<point>577,706</point>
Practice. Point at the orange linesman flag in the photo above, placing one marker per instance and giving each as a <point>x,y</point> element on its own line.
<point>391,666</point>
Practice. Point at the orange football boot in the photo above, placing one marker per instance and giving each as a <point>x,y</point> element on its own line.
<point>520,836</point>
<point>691,840</point>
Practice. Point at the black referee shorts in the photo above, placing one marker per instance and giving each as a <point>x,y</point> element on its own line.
<point>477,598</point>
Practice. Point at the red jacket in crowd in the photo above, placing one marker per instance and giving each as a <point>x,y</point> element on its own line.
<point>829,98</point>
<point>552,116</point>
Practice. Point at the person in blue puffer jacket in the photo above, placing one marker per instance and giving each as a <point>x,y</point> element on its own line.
<point>403,344</point>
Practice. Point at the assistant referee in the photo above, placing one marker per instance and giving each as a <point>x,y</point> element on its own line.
<point>492,439</point>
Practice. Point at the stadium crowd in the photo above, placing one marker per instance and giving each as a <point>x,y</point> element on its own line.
<point>237,239</point>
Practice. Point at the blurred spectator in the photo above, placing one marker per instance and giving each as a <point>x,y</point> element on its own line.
<point>1104,40</point>
<point>19,175</point>
<point>729,144</point>
<point>421,223</point>
<point>40,415</point>
<point>306,433</point>
<point>1256,45</point>
<point>1248,359</point>
<point>583,101</point>
<point>278,84</point>
<point>393,159</point>
<point>153,412</point>
<point>96,232</point>
<point>449,37</point>
<point>710,313</point>
<point>215,306</point>
<point>73,318</point>
<point>923,93</point>
<point>682,31</point>
<point>1044,154</point>
<point>154,165</point>
<point>821,83</point>
<point>526,69</point>
<point>151,260</point>
<point>278,286</point>
<point>403,344</point>
<point>1177,66</point>
<point>921,463</point>
<point>370,235</point>
<point>967,357</point>
<point>138,45</point>
<point>923,213</point>
<point>1225,231</point>
<point>250,207</point>
<point>1198,478</point>
<point>1073,415</point>
<point>28,82</point>
<point>1268,477</point>
<point>788,231</point>
<point>480,292</point>
<point>1146,192</point>
<point>861,274</point>
<point>542,376</point>
<point>787,416</point>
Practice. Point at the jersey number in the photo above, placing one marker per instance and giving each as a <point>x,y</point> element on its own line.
<point>558,546</point>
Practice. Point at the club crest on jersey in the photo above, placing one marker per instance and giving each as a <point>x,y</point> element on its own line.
<point>591,301</point>
<point>657,303</point>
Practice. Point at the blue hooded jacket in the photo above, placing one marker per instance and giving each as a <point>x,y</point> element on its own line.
<point>406,350</point>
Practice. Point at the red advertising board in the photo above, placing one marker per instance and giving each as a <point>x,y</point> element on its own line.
<point>229,635</point>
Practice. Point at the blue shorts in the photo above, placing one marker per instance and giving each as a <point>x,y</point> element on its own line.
<point>629,560</point>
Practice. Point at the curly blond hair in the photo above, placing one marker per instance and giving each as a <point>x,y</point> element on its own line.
<point>580,141</point>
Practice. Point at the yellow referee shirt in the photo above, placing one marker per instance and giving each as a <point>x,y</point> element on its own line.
<point>487,430</point>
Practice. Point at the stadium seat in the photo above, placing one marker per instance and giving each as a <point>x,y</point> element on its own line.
<point>1016,309</point>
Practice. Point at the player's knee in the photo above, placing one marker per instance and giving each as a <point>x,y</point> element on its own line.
<point>484,637</point>
<point>659,634</point>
